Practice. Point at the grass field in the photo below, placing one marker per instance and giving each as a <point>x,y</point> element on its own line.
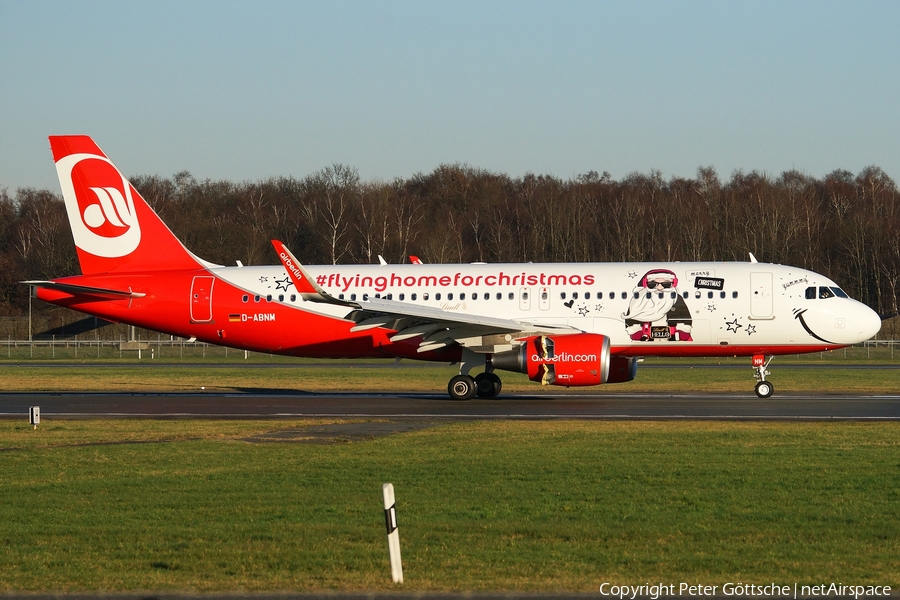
<point>418,377</point>
<point>189,505</point>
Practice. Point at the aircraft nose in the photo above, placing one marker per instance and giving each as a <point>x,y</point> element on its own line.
<point>869,322</point>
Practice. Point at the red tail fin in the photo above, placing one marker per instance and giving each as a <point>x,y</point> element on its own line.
<point>114,228</point>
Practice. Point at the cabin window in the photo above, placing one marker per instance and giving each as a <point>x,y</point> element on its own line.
<point>294,297</point>
<point>734,294</point>
<point>487,295</point>
<point>562,295</point>
<point>625,295</point>
<point>450,296</point>
<point>390,296</point>
<point>638,295</point>
<point>524,295</point>
<point>353,297</point>
<point>269,298</point>
<point>256,298</point>
<point>281,297</point>
<point>722,295</point>
<point>686,295</point>
<point>544,295</point>
<point>587,295</point>
<point>511,296</point>
<point>709,295</point>
<point>365,297</point>
<point>575,295</point>
<point>599,295</point>
<point>697,295</point>
<point>245,298</point>
<point>412,297</point>
<point>649,295</point>
<point>424,296</point>
<point>437,296</point>
<point>341,296</point>
<point>402,296</point>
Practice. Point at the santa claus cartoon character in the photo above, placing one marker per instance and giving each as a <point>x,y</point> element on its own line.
<point>657,311</point>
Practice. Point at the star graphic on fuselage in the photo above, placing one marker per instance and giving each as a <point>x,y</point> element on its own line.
<point>583,310</point>
<point>632,274</point>
<point>711,307</point>
<point>263,279</point>
<point>283,285</point>
<point>733,325</point>
<point>751,329</point>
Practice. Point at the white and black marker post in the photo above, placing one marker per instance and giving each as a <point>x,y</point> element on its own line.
<point>393,535</point>
<point>34,415</point>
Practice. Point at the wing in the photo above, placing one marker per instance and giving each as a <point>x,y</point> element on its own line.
<point>437,328</point>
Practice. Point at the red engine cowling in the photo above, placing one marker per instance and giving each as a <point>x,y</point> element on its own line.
<point>570,360</point>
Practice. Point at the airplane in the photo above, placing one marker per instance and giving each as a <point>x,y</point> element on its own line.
<point>564,324</point>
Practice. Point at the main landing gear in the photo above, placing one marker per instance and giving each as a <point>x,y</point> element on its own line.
<point>466,387</point>
<point>764,388</point>
<point>483,385</point>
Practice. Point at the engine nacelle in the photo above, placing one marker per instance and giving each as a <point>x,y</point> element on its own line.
<point>622,369</point>
<point>570,360</point>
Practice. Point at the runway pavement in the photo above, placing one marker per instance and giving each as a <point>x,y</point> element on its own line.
<point>418,406</point>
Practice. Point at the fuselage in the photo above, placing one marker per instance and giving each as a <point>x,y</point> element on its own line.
<point>646,309</point>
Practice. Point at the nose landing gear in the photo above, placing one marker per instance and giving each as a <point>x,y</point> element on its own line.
<point>764,388</point>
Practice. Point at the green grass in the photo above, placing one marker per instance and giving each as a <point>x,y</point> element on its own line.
<point>495,505</point>
<point>416,377</point>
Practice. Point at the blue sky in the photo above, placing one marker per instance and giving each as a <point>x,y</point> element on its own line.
<point>248,90</point>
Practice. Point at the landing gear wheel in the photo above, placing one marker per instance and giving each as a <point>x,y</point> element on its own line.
<point>488,385</point>
<point>764,389</point>
<point>462,387</point>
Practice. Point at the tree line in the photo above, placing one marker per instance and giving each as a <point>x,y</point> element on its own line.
<point>844,226</point>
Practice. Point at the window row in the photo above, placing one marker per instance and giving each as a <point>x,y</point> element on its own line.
<point>511,295</point>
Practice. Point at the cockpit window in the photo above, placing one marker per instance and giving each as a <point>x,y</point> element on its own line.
<point>810,293</point>
<point>839,292</point>
<point>825,292</point>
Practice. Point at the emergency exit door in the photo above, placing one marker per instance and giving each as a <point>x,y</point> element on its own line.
<point>201,299</point>
<point>761,300</point>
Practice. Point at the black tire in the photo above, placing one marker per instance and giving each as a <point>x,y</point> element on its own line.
<point>462,387</point>
<point>764,389</point>
<point>488,385</point>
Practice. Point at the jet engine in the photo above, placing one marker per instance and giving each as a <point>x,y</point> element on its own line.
<point>622,369</point>
<point>570,360</point>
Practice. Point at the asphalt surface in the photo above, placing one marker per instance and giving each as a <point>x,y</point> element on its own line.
<point>255,404</point>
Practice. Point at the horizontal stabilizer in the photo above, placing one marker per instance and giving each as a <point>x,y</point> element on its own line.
<point>71,288</point>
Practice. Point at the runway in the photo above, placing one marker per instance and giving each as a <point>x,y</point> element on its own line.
<point>783,407</point>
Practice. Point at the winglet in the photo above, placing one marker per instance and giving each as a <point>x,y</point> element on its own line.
<point>415,260</point>
<point>303,281</point>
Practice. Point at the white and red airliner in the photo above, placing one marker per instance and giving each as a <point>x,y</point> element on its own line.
<point>574,324</point>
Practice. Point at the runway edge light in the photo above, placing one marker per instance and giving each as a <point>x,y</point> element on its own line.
<point>393,534</point>
<point>34,415</point>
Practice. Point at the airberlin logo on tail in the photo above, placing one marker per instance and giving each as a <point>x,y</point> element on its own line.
<point>99,204</point>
